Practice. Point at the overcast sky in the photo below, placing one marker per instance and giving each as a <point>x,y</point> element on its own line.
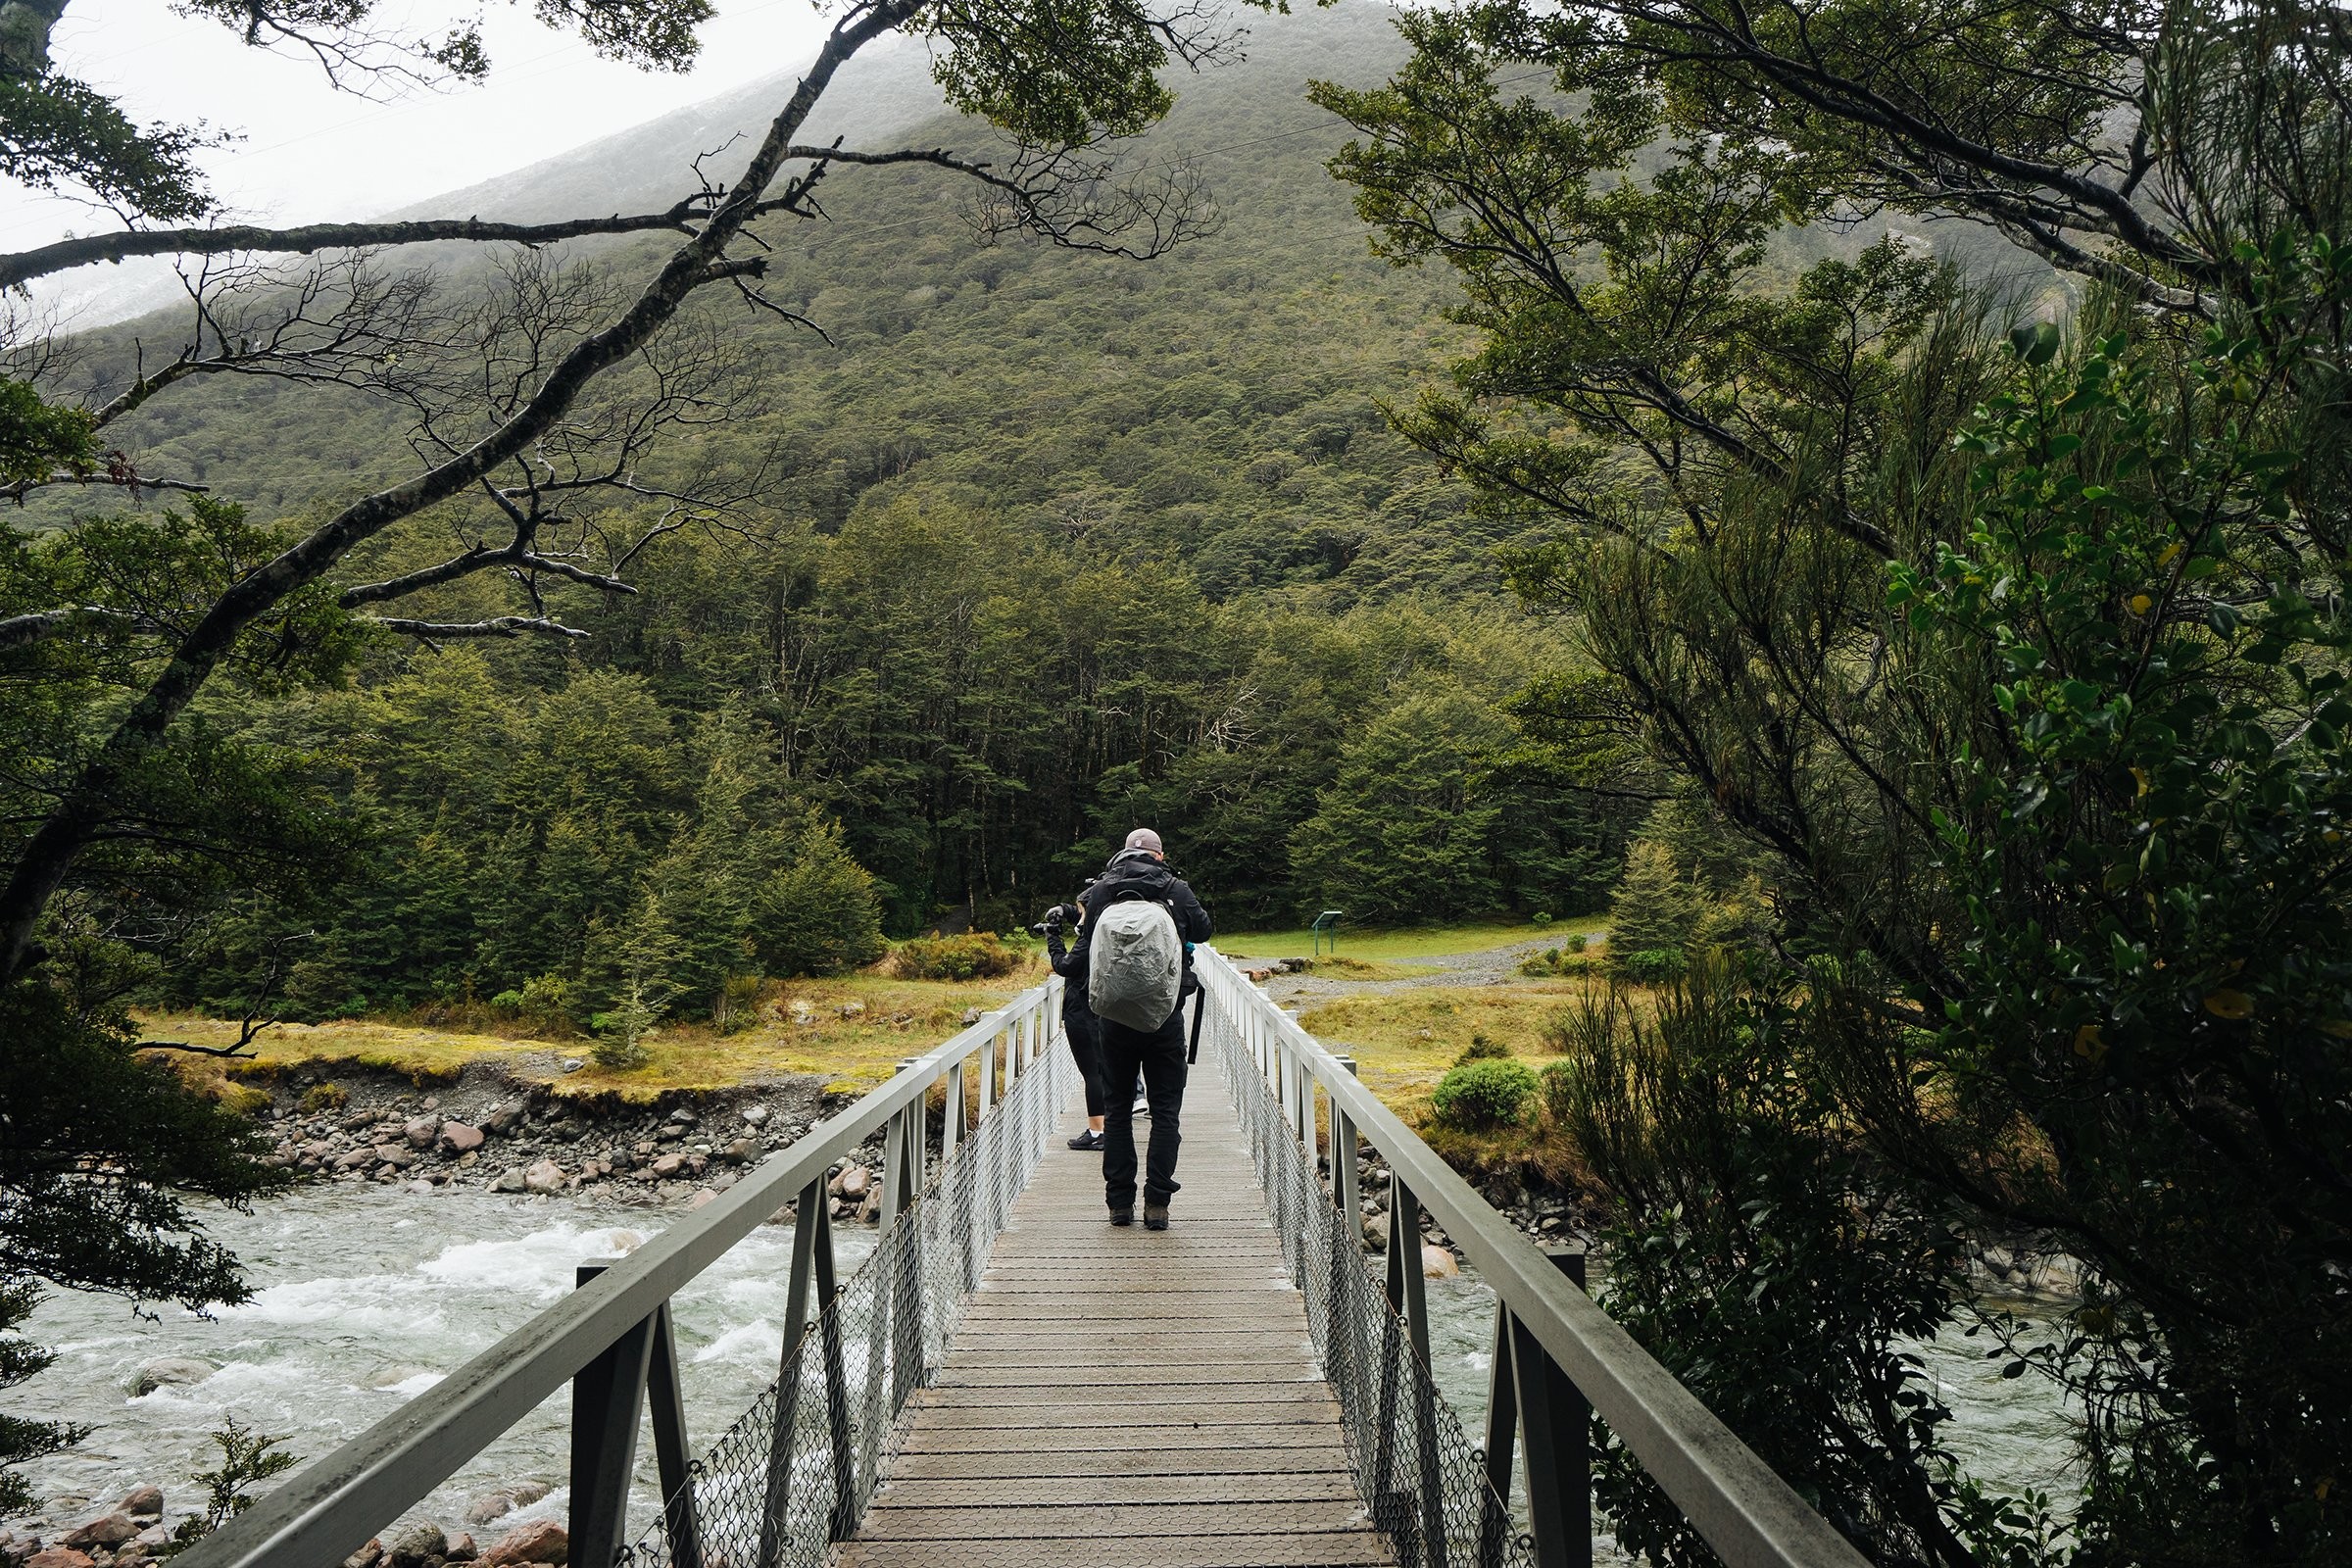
<point>310,152</point>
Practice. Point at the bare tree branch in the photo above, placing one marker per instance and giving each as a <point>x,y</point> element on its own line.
<point>496,626</point>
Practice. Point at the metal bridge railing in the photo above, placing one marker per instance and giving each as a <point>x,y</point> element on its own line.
<point>1558,1357</point>
<point>795,1473</point>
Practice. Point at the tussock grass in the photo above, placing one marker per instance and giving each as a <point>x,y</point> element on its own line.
<point>901,1019</point>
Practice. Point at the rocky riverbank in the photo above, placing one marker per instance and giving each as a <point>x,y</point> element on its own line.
<point>132,1533</point>
<point>485,1129</point>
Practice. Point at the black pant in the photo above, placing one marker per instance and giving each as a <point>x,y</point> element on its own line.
<point>1159,1054</point>
<point>1085,1031</point>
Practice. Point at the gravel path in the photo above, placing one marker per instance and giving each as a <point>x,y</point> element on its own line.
<point>1491,966</point>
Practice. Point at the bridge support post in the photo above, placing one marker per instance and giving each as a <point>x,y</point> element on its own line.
<point>900,1188</point>
<point>1528,1392</point>
<point>607,1397</point>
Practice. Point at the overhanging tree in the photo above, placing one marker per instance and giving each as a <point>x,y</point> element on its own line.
<point>2047,827</point>
<point>122,806</point>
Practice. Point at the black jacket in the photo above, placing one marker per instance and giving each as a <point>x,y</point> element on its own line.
<point>1136,871</point>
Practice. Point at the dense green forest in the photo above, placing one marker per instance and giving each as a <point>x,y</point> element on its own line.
<point>1031,547</point>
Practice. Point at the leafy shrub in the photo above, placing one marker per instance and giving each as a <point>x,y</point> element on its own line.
<point>1654,967</point>
<point>1483,1049</point>
<point>974,955</point>
<point>1482,1095</point>
<point>325,1097</point>
<point>1579,942</point>
<point>1551,962</point>
<point>1542,918</point>
<point>247,1459</point>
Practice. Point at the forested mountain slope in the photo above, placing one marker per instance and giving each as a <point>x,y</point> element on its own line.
<point>1041,545</point>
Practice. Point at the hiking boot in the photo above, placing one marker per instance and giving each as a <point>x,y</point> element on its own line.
<point>1087,1142</point>
<point>1126,1216</point>
<point>1155,1217</point>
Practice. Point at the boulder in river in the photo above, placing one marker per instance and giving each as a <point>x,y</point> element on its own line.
<point>852,1183</point>
<point>414,1545</point>
<point>510,1180</point>
<point>542,1541</point>
<point>491,1505</point>
<point>546,1176</point>
<point>143,1502</point>
<point>1436,1263</point>
<point>108,1529</point>
<point>170,1371</point>
<point>366,1556</point>
<point>59,1557</point>
<point>460,1139</point>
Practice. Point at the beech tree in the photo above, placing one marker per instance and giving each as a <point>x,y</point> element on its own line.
<point>2012,649</point>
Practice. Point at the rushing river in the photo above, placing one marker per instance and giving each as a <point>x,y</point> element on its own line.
<point>2008,1433</point>
<point>365,1296</point>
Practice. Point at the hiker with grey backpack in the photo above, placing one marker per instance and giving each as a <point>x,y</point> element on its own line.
<point>1135,951</point>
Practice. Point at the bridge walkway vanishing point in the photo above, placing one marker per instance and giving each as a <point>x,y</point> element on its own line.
<point>1008,1379</point>
<point>1119,1398</point>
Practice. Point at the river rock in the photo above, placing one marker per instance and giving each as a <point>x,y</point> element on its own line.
<point>853,1182</point>
<point>422,1131</point>
<point>669,1165</point>
<point>366,1556</point>
<point>1376,1235</point>
<point>394,1156</point>
<point>502,1120</point>
<point>493,1505</point>
<point>1436,1263</point>
<point>460,1139</point>
<point>414,1545</point>
<point>59,1557</point>
<point>170,1371</point>
<point>543,1177</point>
<point>354,1158</point>
<point>755,1115</point>
<point>509,1180</point>
<point>702,1196</point>
<point>109,1530</point>
<point>743,1151</point>
<point>541,1540</point>
<point>462,1550</point>
<point>142,1502</point>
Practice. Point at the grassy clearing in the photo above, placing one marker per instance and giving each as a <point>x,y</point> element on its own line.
<point>900,1019</point>
<point>1404,1041</point>
<point>1419,942</point>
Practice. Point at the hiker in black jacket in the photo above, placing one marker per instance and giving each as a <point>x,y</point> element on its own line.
<point>1079,1025</point>
<point>1140,870</point>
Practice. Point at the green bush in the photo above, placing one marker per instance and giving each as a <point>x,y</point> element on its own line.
<point>1654,967</point>
<point>1480,1095</point>
<point>1482,1049</point>
<point>975,955</point>
<point>1552,962</point>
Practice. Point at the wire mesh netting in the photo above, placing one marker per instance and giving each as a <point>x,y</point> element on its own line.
<point>795,1473</point>
<point>1423,1482</point>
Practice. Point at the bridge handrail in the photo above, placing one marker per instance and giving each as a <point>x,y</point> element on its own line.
<point>1744,1510</point>
<point>329,1509</point>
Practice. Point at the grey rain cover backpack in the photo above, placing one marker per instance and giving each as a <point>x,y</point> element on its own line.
<point>1136,965</point>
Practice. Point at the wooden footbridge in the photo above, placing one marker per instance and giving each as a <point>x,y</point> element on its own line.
<point>1009,1379</point>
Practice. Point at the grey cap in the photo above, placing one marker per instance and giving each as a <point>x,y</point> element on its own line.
<point>1143,838</point>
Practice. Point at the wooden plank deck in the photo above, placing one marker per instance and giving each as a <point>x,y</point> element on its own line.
<point>1128,1399</point>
